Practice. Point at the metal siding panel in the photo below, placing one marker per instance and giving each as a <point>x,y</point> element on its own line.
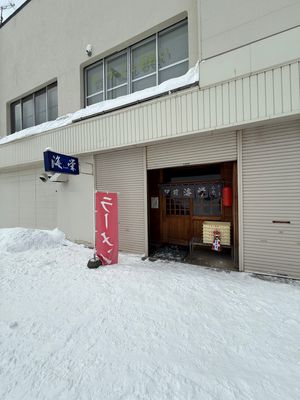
<point>232,102</point>
<point>295,79</point>
<point>271,191</point>
<point>225,101</point>
<point>213,107</point>
<point>246,99</point>
<point>206,105</point>
<point>277,91</point>
<point>203,148</point>
<point>261,87</point>
<point>123,172</point>
<point>253,97</point>
<point>239,100</point>
<point>269,93</point>
<point>219,106</point>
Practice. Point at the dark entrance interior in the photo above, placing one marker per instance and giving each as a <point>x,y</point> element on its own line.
<point>186,204</point>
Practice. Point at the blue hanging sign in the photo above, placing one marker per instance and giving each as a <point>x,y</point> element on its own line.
<point>62,163</point>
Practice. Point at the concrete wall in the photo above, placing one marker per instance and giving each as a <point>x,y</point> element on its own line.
<point>46,40</point>
<point>228,24</point>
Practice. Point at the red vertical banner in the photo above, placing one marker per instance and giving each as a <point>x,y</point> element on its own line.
<point>107,238</point>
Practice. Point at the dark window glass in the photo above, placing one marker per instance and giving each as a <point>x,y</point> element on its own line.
<point>95,80</point>
<point>40,107</point>
<point>173,46</point>
<point>16,117</point>
<point>143,59</point>
<point>116,71</point>
<point>28,112</point>
<point>52,102</point>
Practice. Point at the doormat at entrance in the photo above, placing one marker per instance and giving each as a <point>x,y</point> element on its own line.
<point>169,253</point>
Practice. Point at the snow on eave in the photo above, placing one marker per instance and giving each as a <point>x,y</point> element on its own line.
<point>189,79</point>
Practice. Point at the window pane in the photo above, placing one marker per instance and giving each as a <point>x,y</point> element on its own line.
<point>94,99</point>
<point>143,60</point>
<point>16,123</point>
<point>113,94</point>
<point>40,107</point>
<point>95,79</point>
<point>116,71</point>
<point>28,112</point>
<point>173,72</point>
<point>52,102</point>
<point>144,83</point>
<point>173,45</point>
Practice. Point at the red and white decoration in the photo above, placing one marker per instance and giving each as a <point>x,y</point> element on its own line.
<point>107,240</point>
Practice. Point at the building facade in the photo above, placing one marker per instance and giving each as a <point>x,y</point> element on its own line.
<point>237,126</point>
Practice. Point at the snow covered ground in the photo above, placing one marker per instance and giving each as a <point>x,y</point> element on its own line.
<point>139,330</point>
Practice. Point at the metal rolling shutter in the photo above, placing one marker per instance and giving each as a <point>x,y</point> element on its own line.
<point>124,172</point>
<point>202,148</point>
<point>271,192</point>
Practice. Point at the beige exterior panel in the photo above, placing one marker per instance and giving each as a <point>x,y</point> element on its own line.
<point>124,172</point>
<point>270,94</point>
<point>271,192</point>
<point>26,201</point>
<point>229,24</point>
<point>203,148</point>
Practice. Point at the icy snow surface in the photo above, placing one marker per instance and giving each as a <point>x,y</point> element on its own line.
<point>139,330</point>
<point>189,78</point>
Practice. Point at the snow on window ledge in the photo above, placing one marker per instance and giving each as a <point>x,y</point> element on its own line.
<point>191,77</point>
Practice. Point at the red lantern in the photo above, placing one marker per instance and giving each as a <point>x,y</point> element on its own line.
<point>227,196</point>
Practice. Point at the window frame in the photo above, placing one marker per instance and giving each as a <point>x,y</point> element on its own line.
<point>128,50</point>
<point>22,100</point>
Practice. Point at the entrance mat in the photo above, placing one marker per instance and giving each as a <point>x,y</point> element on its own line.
<point>169,253</point>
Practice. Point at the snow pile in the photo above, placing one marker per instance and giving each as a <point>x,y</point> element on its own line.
<point>142,330</point>
<point>191,77</point>
<point>17,240</point>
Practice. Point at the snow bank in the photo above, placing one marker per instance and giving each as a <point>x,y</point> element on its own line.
<point>191,77</point>
<point>16,240</point>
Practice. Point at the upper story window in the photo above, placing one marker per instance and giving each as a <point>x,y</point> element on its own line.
<point>38,107</point>
<point>148,63</point>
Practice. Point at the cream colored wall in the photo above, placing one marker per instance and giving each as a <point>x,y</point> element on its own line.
<point>26,201</point>
<point>276,50</point>
<point>75,206</point>
<point>226,25</point>
<point>46,40</point>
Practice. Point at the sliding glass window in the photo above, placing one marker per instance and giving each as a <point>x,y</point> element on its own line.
<point>34,109</point>
<point>146,64</point>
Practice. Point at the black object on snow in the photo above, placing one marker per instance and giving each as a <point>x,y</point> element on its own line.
<point>94,263</point>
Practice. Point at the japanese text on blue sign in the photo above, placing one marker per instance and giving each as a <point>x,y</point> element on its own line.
<point>62,163</point>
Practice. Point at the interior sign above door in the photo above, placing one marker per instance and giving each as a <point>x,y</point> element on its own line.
<point>62,163</point>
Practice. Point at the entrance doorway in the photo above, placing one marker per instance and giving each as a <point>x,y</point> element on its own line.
<point>190,208</point>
